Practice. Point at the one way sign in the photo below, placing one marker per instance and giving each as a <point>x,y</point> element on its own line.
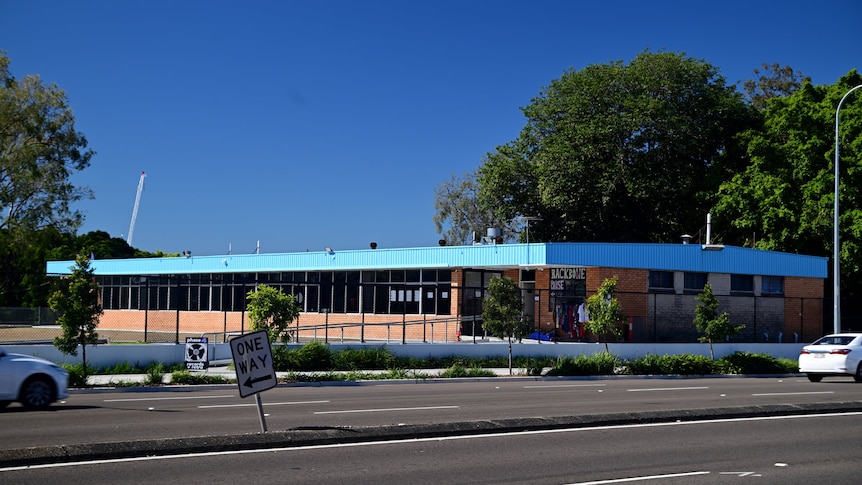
<point>252,359</point>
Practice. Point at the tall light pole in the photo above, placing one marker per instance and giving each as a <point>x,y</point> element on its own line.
<point>836,266</point>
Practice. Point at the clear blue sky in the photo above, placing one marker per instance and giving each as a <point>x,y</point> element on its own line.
<point>329,123</point>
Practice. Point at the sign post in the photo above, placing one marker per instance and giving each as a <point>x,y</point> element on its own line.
<point>252,359</point>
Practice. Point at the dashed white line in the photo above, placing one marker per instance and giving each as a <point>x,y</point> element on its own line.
<point>213,406</point>
<point>668,389</point>
<point>792,393</point>
<point>169,398</point>
<point>384,410</point>
<point>552,386</point>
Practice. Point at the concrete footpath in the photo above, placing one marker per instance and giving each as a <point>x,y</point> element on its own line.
<point>310,436</point>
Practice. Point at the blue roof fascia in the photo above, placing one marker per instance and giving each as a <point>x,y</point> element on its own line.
<point>662,257</point>
<point>368,259</point>
<point>688,257</point>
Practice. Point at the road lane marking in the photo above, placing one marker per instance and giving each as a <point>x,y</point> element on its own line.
<point>668,389</point>
<point>287,449</point>
<point>384,410</point>
<point>169,398</point>
<point>551,386</point>
<point>640,479</point>
<point>792,393</point>
<point>213,406</point>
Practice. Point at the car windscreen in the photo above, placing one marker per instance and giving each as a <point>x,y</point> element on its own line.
<point>836,340</point>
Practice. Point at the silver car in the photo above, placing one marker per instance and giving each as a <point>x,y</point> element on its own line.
<point>838,354</point>
<point>34,382</point>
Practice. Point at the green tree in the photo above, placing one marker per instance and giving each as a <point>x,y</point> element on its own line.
<point>713,326</point>
<point>272,310</point>
<point>459,214</point>
<point>620,152</point>
<point>503,312</point>
<point>23,252</point>
<point>77,303</point>
<point>772,81</point>
<point>605,315</point>
<point>39,151</point>
<point>784,199</point>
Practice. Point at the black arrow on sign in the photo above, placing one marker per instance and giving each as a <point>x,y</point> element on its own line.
<point>251,382</point>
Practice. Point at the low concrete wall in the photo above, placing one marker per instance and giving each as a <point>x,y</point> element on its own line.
<point>143,354</point>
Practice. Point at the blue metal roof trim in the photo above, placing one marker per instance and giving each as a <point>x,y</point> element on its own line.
<point>687,257</point>
<point>432,257</point>
<point>664,257</point>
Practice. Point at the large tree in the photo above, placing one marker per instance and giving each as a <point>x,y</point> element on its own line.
<point>772,81</point>
<point>620,152</point>
<point>459,215</point>
<point>784,199</point>
<point>39,151</point>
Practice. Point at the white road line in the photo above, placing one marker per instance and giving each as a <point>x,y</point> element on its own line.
<point>668,389</point>
<point>384,410</point>
<point>640,479</point>
<point>255,404</point>
<point>169,398</point>
<point>417,440</point>
<point>551,386</point>
<point>792,393</point>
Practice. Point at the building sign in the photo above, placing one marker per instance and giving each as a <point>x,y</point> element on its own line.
<point>568,274</point>
<point>568,283</point>
<point>196,357</point>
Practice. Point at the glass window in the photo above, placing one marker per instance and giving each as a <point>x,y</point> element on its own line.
<point>694,281</point>
<point>662,280</point>
<point>772,285</point>
<point>742,283</point>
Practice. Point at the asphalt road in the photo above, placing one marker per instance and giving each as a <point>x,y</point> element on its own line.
<point>132,421</point>
<point>779,450</point>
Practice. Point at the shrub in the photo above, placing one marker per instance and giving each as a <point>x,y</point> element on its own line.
<point>186,377</point>
<point>685,364</point>
<point>155,374</point>
<point>748,363</point>
<point>77,375</point>
<point>599,364</point>
<point>362,359</point>
<point>461,371</point>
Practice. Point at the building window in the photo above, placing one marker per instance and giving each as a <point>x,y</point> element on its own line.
<point>694,282</point>
<point>741,283</point>
<point>772,285</point>
<point>661,280</point>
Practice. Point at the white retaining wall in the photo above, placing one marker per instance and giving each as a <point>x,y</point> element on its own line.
<point>143,354</point>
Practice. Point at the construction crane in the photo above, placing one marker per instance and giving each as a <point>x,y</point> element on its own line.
<point>135,210</point>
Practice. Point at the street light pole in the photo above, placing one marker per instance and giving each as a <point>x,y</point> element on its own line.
<point>836,266</point>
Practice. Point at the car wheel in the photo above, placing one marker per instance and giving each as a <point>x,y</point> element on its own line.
<point>858,375</point>
<point>814,377</point>
<point>37,393</point>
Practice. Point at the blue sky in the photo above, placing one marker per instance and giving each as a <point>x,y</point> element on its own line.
<point>311,124</point>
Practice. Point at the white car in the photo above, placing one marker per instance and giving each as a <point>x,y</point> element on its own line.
<point>838,354</point>
<point>34,382</point>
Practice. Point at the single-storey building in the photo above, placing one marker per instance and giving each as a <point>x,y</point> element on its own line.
<point>435,293</point>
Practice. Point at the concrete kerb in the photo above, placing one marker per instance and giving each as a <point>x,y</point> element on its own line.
<point>298,437</point>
